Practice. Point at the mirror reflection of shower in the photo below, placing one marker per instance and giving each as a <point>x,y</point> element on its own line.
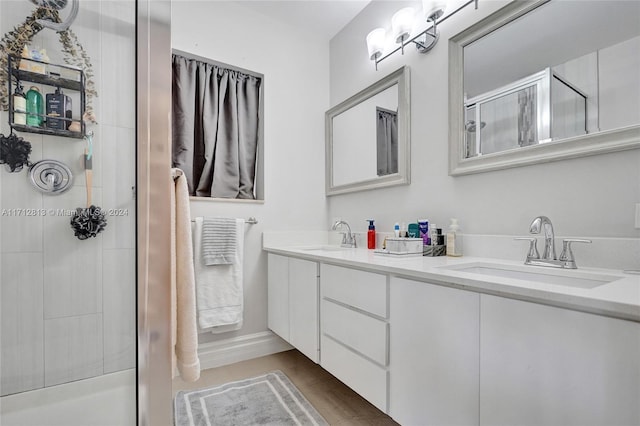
<point>532,110</point>
<point>590,84</point>
<point>470,126</point>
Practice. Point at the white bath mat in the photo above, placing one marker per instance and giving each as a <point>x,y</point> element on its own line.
<point>270,399</point>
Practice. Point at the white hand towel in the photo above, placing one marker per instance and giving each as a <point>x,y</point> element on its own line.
<point>219,241</point>
<point>219,288</point>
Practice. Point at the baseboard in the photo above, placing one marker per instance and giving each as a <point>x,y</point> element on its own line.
<point>236,349</point>
<point>120,381</point>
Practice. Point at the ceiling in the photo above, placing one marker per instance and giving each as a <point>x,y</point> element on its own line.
<point>325,18</point>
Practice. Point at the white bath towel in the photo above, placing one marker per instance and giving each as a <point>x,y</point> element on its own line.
<point>219,288</point>
<point>184,330</point>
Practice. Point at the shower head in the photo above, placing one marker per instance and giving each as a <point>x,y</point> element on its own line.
<point>470,126</point>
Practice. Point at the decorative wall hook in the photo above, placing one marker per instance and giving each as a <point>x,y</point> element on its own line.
<point>58,5</point>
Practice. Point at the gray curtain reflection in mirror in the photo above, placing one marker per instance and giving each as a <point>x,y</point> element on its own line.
<point>387,141</point>
<point>215,119</point>
<point>527,117</point>
<point>508,122</point>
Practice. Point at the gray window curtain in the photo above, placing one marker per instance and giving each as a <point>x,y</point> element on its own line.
<point>215,128</point>
<point>387,141</point>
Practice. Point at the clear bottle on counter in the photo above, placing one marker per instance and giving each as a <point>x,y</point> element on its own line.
<point>454,239</point>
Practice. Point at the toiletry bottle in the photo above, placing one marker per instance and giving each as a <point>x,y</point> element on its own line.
<point>413,231</point>
<point>396,230</point>
<point>58,105</point>
<point>19,106</point>
<point>433,233</point>
<point>454,239</point>
<point>371,235</point>
<point>423,226</point>
<point>35,107</point>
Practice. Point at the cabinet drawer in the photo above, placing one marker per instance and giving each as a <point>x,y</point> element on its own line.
<point>358,331</point>
<point>361,375</point>
<point>363,290</point>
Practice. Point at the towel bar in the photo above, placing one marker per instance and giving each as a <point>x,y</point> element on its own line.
<point>251,221</point>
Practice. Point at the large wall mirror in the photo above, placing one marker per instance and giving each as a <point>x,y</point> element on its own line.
<point>367,137</point>
<point>542,81</point>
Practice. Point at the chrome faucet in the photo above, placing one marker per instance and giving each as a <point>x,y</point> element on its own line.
<point>549,237</point>
<point>348,239</point>
<point>566,260</point>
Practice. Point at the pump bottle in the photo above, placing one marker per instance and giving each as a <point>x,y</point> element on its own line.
<point>371,235</point>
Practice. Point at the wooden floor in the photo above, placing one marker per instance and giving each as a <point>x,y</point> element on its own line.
<point>337,403</point>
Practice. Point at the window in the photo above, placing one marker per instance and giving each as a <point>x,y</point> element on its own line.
<point>217,127</point>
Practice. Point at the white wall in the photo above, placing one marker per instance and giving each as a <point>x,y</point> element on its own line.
<point>68,306</point>
<point>590,197</point>
<point>295,68</point>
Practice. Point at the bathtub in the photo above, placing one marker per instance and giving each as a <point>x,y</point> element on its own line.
<point>106,400</point>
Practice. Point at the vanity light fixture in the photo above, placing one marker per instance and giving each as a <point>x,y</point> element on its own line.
<point>401,25</point>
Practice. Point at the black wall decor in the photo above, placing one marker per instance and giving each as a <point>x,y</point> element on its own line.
<point>14,152</point>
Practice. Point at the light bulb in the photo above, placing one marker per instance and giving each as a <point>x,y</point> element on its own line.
<point>402,24</point>
<point>375,43</point>
<point>433,9</point>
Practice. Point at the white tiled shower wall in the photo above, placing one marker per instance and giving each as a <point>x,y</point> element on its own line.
<point>68,306</point>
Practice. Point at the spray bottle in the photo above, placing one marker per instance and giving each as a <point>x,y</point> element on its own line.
<point>371,235</point>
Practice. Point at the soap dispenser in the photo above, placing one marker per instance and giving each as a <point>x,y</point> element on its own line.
<point>371,235</point>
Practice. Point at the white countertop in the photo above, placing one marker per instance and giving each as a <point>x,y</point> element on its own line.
<point>619,298</point>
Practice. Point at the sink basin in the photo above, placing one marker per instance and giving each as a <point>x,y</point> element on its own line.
<point>564,277</point>
<point>326,248</point>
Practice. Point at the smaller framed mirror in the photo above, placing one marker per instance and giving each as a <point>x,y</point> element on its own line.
<point>367,137</point>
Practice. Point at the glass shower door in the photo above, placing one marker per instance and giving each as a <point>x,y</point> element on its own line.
<point>67,306</point>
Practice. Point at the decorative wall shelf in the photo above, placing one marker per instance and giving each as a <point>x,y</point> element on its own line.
<point>47,79</point>
<point>46,131</point>
<point>52,77</point>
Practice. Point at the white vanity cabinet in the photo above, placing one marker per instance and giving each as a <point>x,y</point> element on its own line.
<point>434,348</point>
<point>354,330</point>
<point>438,354</point>
<point>278,295</point>
<point>542,365</point>
<point>293,302</point>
